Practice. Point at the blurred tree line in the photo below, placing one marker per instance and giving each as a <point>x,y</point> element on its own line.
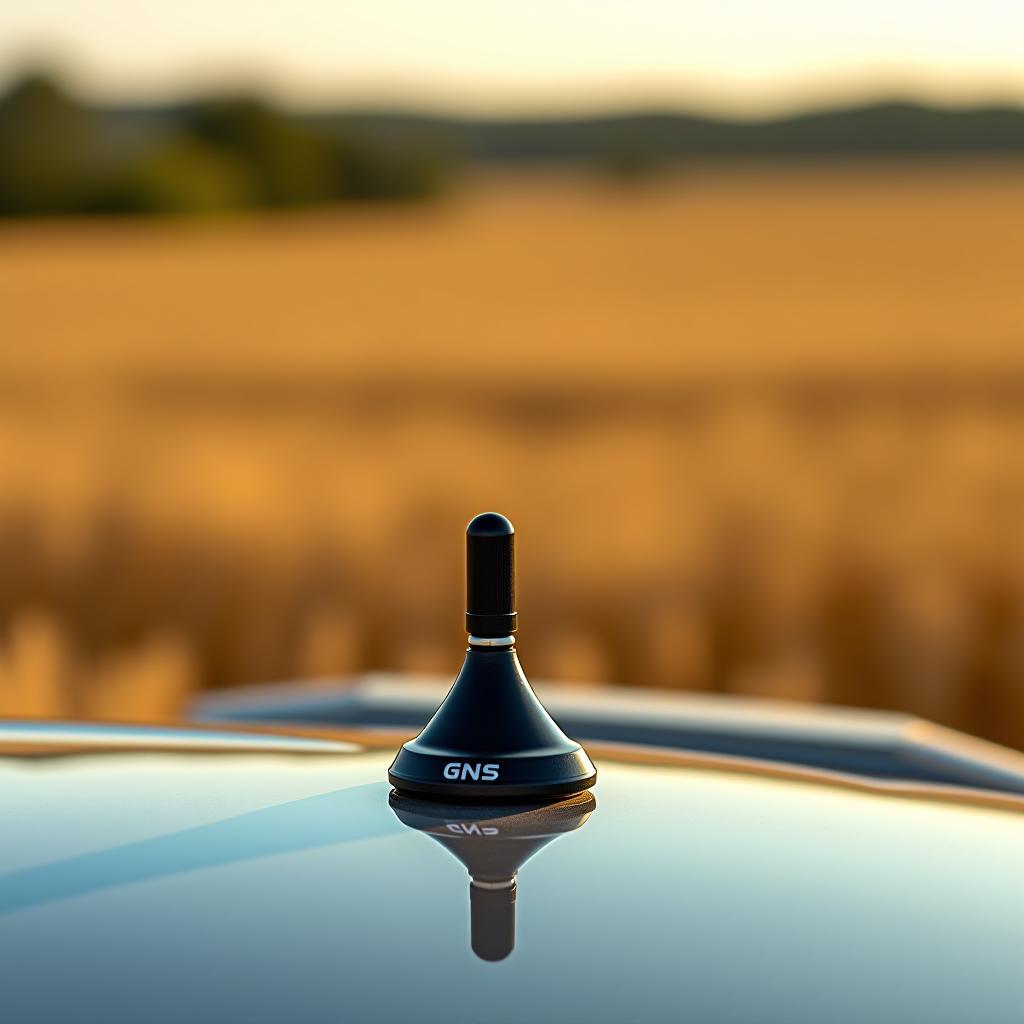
<point>58,156</point>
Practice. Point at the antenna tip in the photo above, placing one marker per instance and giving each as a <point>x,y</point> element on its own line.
<point>490,524</point>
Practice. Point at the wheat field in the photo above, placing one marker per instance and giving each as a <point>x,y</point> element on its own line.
<point>760,431</point>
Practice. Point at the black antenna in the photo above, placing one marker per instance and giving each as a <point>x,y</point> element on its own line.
<point>490,576</point>
<point>491,739</point>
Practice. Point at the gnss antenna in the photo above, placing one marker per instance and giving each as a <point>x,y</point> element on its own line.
<point>491,738</point>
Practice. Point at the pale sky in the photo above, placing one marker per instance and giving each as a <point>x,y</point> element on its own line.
<point>511,56</point>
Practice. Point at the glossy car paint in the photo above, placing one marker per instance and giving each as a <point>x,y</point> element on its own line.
<point>212,876</point>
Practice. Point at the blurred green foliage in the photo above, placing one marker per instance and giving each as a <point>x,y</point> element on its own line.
<point>183,176</point>
<point>58,157</point>
<point>46,150</point>
<point>287,164</point>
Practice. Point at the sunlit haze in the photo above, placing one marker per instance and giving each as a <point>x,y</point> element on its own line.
<point>737,56</point>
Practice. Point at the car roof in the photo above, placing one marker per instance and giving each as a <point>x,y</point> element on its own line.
<point>214,873</point>
<point>874,744</point>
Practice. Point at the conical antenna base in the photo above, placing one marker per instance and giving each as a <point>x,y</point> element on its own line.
<point>491,739</point>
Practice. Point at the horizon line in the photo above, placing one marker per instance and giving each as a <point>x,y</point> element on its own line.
<point>395,105</point>
<point>723,101</point>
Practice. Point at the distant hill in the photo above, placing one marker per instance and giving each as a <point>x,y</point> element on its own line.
<point>880,129</point>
